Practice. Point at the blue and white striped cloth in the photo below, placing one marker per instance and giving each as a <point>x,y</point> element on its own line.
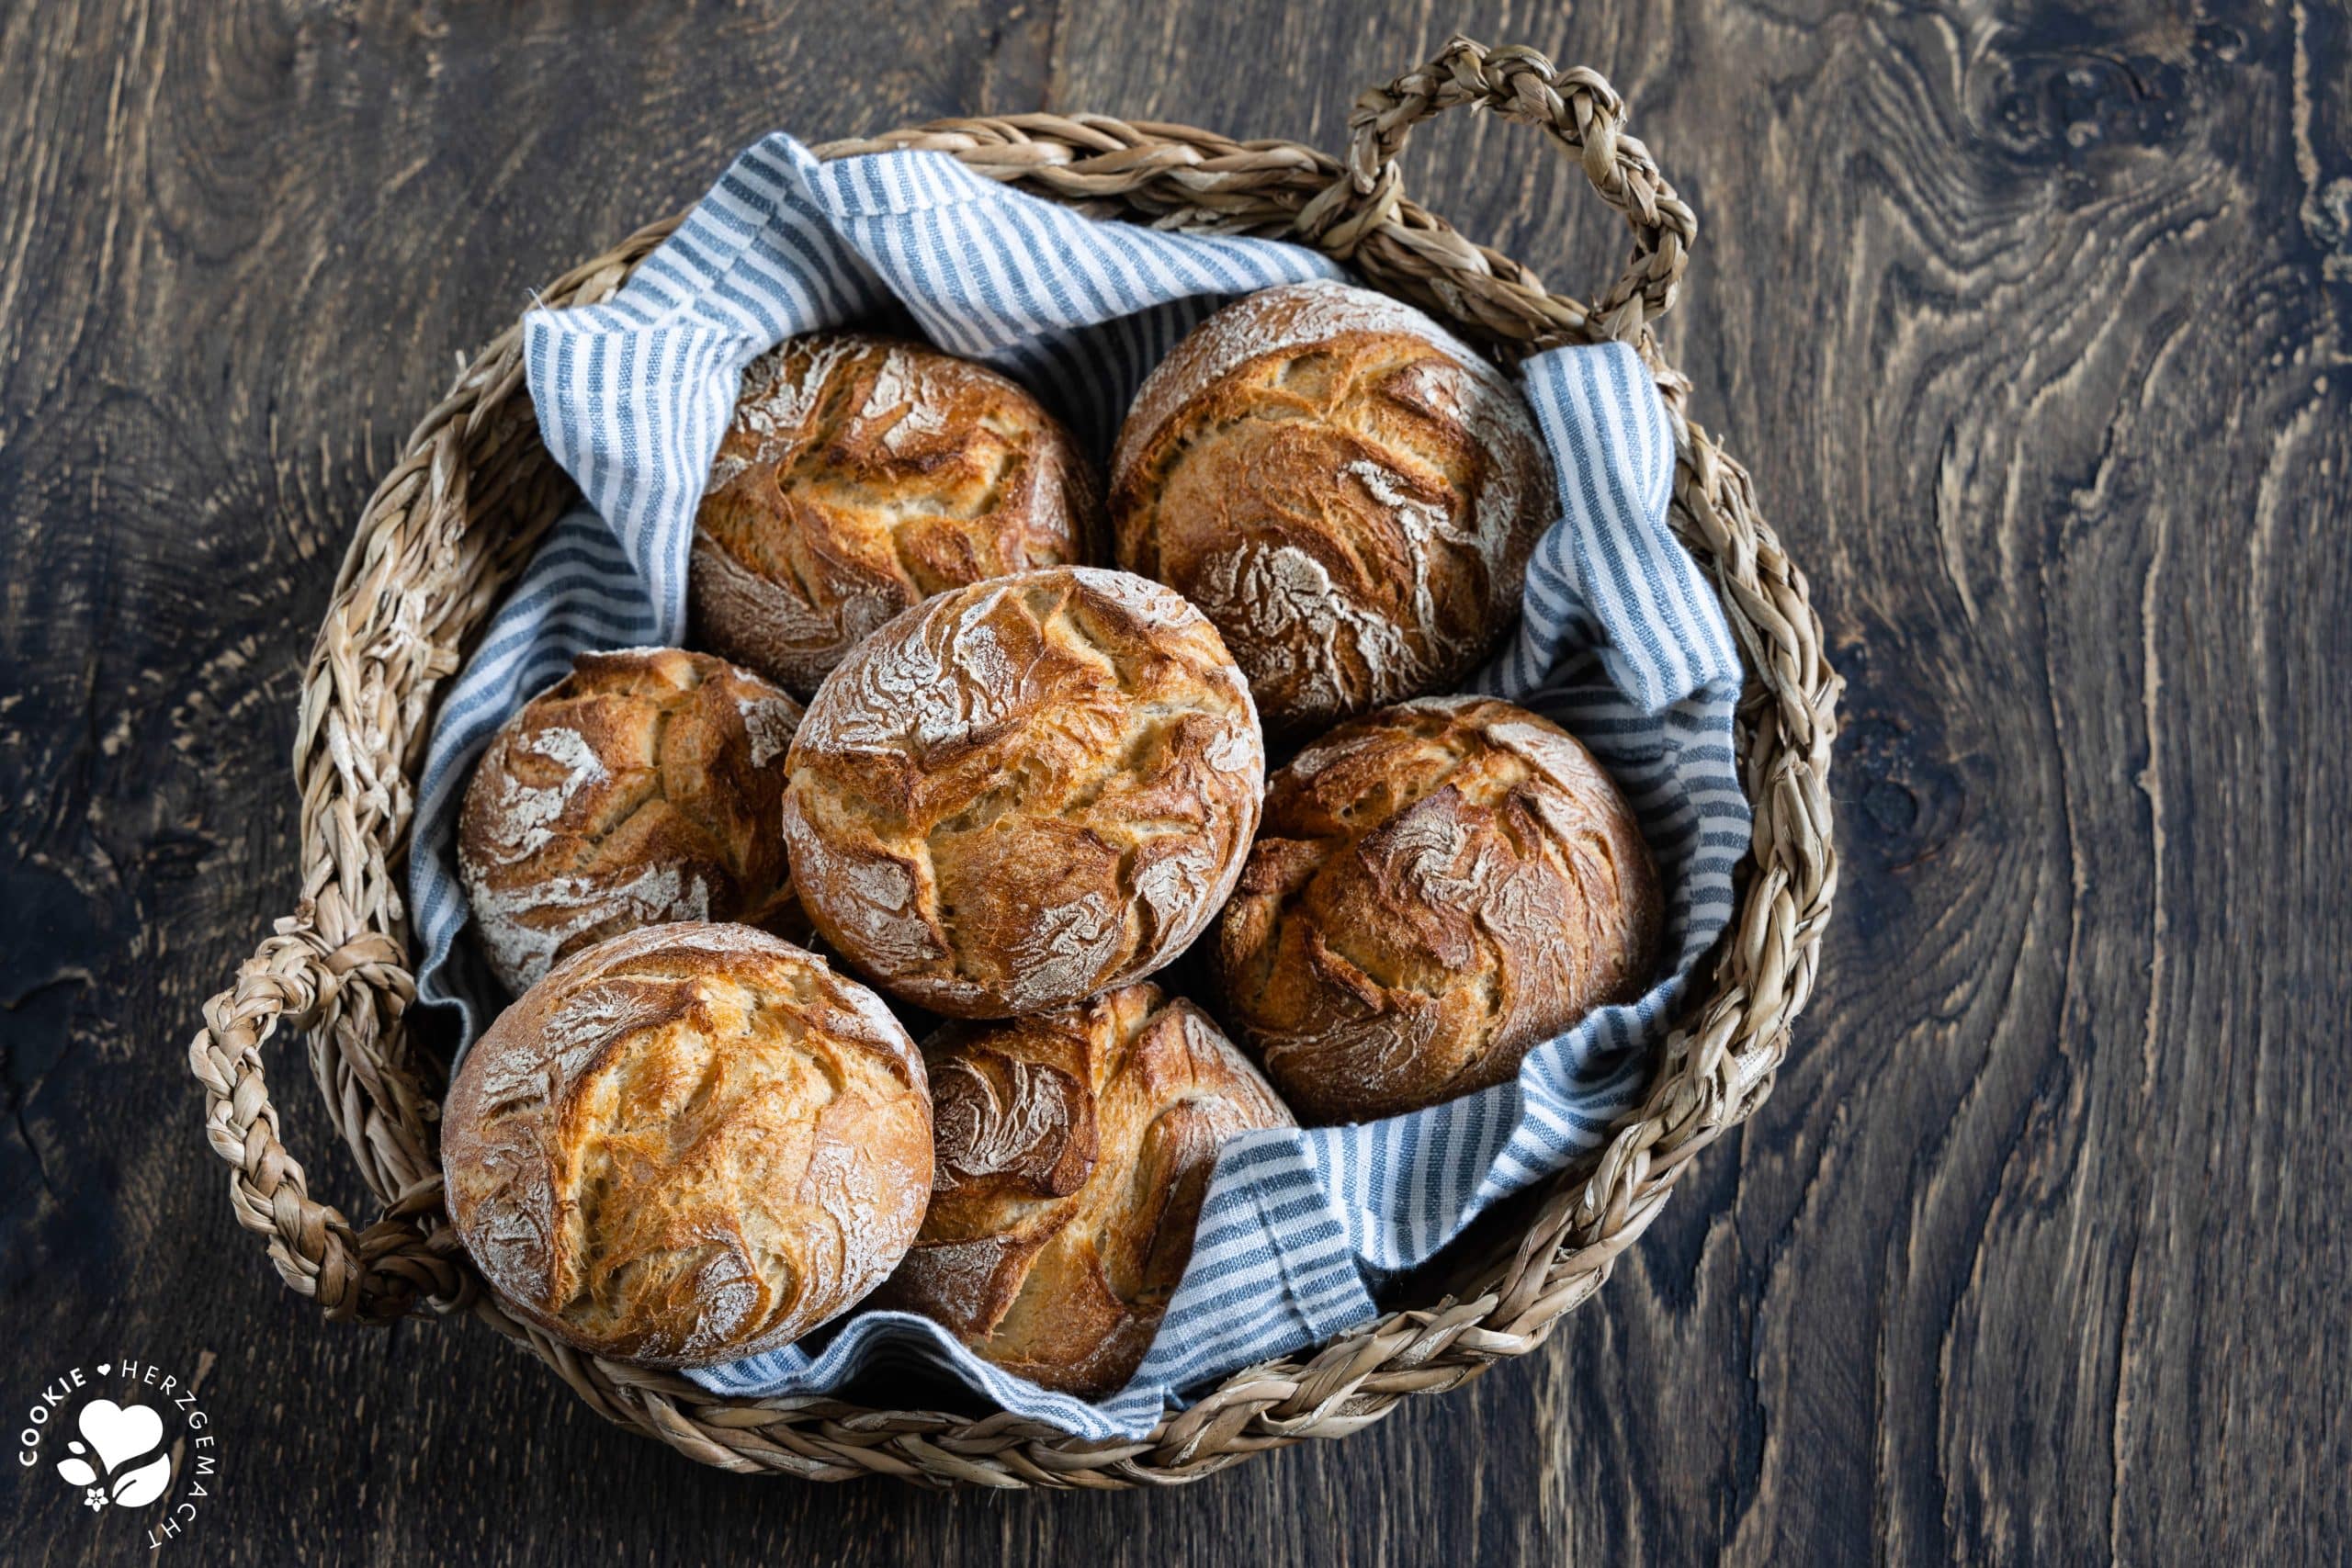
<point>1621,642</point>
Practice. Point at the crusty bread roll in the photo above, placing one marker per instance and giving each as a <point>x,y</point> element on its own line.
<point>644,786</point>
<point>1074,1148</point>
<point>1347,489</point>
<point>1024,792</point>
<point>1439,887</point>
<point>861,475</point>
<point>688,1143</point>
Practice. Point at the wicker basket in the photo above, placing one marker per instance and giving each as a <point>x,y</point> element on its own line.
<point>451,525</point>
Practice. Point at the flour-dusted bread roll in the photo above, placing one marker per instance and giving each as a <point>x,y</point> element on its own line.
<point>644,786</point>
<point>1024,792</point>
<point>1439,887</point>
<point>861,475</point>
<point>1074,1148</point>
<point>1347,489</point>
<point>687,1145</point>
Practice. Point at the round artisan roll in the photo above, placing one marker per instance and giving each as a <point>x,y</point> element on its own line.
<point>1074,1148</point>
<point>642,787</point>
<point>1347,489</point>
<point>1024,792</point>
<point>688,1145</point>
<point>1439,887</point>
<point>861,476</point>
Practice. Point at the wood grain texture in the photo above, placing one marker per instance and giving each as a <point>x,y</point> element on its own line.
<point>2033,328</point>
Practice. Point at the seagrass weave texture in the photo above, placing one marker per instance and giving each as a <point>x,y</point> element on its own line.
<point>460,514</point>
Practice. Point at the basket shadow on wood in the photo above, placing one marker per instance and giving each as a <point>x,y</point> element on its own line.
<point>456,520</point>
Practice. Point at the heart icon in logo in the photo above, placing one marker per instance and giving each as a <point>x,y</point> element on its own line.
<point>116,1436</point>
<point>120,1434</point>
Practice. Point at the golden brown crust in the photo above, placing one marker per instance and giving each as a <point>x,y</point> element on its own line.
<point>1348,491</point>
<point>688,1145</point>
<point>1439,887</point>
<point>862,475</point>
<point>1024,792</point>
<point>1074,1150</point>
<point>644,786</point>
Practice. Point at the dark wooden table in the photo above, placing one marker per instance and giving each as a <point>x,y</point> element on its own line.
<point>2035,332</point>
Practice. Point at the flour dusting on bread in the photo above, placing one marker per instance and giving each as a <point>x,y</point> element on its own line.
<point>568,831</point>
<point>902,386</point>
<point>525,928</point>
<point>688,1145</point>
<point>1438,887</point>
<point>983,1132</point>
<point>858,475</point>
<point>770,722</point>
<point>1026,791</point>
<point>1281,321</point>
<point>523,820</point>
<point>1347,489</point>
<point>777,398</point>
<point>1074,1149</point>
<point>1300,630</point>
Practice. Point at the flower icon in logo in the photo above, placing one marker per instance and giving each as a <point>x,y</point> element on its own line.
<point>119,1438</point>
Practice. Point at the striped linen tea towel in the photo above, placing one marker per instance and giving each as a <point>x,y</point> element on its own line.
<point>1621,642</point>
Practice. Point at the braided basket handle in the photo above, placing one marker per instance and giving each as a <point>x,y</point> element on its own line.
<point>376,1275</point>
<point>1583,114</point>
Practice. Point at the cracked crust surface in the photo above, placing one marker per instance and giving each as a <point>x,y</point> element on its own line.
<point>1024,792</point>
<point>642,787</point>
<point>688,1145</point>
<point>1348,491</point>
<point>1439,887</point>
<point>860,476</point>
<point>1073,1151</point>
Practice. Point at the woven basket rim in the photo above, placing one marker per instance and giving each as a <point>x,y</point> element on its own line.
<point>448,528</point>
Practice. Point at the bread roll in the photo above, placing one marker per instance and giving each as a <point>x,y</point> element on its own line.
<point>687,1145</point>
<point>644,786</point>
<point>862,475</point>
<point>1074,1149</point>
<point>1348,491</point>
<point>1024,792</point>
<point>1439,887</point>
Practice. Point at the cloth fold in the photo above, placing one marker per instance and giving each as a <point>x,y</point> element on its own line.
<point>1621,642</point>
